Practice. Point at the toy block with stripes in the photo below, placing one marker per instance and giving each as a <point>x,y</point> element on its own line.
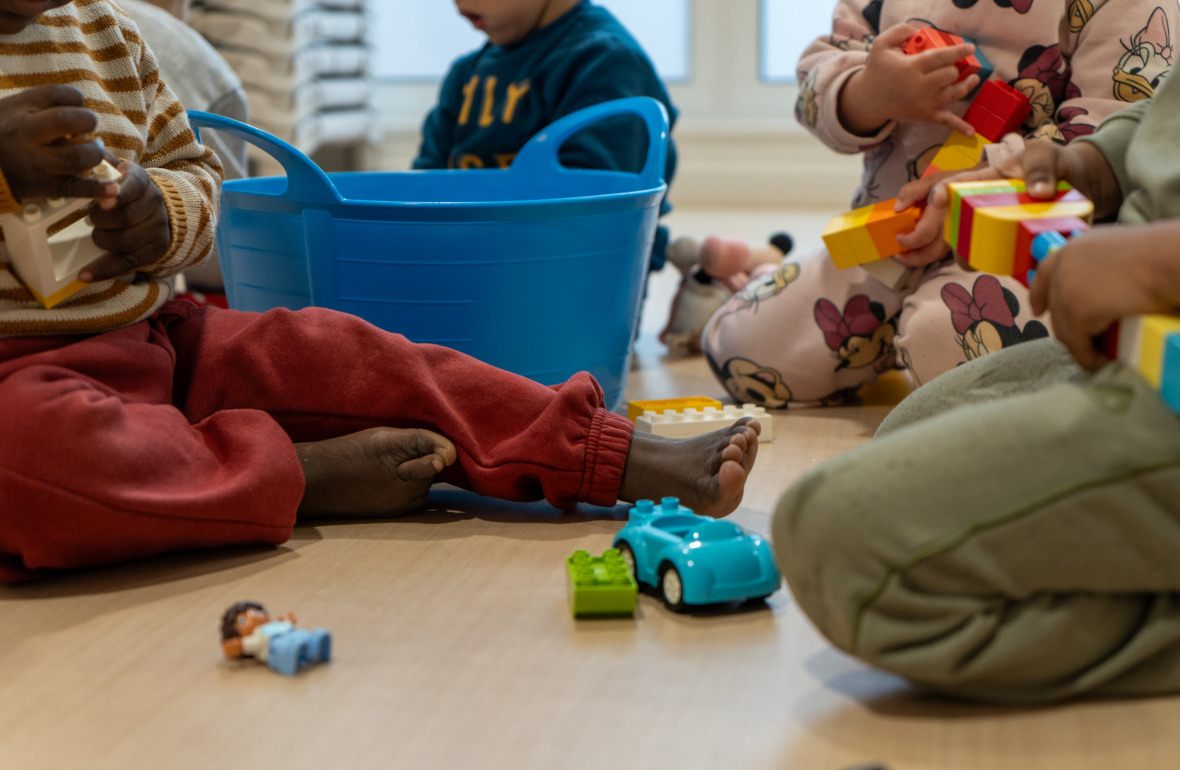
<point>958,153</point>
<point>988,223</point>
<point>1151,344</point>
<point>868,233</point>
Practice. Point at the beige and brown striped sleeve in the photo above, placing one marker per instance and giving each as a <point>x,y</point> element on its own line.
<point>187,173</point>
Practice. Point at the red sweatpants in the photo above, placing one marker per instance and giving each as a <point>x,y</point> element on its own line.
<point>177,432</point>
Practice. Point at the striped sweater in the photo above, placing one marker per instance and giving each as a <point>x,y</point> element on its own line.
<point>93,46</point>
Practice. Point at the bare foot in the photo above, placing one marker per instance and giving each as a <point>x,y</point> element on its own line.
<point>376,472</point>
<point>708,473</point>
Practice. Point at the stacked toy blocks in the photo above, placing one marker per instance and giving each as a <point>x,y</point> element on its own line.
<point>1151,344</point>
<point>49,242</point>
<point>992,225</point>
<point>600,585</point>
<point>996,110</point>
<point>636,408</point>
<point>869,233</point>
<point>694,422</point>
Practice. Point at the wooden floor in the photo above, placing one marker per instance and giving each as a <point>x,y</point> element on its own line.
<point>454,648</point>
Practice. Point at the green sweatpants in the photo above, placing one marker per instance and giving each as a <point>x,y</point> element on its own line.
<point>1011,534</point>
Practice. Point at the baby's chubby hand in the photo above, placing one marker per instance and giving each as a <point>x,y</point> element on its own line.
<point>132,225</point>
<point>897,86</point>
<point>924,244</point>
<point>41,155</point>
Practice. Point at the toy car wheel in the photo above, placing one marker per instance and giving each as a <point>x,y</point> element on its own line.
<point>628,559</point>
<point>672,587</point>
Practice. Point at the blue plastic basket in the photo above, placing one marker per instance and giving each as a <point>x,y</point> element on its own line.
<point>537,268</point>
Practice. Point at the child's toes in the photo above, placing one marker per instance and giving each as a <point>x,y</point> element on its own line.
<point>420,468</point>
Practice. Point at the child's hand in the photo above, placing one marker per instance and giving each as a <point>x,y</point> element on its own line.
<point>1043,163</point>
<point>39,154</point>
<point>924,243</point>
<point>896,86</point>
<point>132,226</point>
<point>1104,274</point>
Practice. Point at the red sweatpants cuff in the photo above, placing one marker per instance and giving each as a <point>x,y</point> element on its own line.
<point>607,446</point>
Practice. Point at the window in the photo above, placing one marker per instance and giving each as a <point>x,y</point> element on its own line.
<point>422,50</point>
<point>785,29</point>
<point>730,64</point>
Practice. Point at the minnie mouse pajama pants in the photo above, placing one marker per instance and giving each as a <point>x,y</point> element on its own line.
<point>808,334</point>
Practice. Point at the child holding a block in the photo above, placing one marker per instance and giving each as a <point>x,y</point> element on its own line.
<point>134,424</point>
<point>543,60</point>
<point>1013,531</point>
<point>807,333</point>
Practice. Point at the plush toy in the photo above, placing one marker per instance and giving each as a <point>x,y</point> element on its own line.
<point>248,631</point>
<point>710,272</point>
<point>734,262</point>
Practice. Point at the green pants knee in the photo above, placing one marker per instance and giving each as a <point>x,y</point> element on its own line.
<point>1020,547</point>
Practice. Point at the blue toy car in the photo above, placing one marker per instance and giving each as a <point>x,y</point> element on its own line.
<point>694,560</point>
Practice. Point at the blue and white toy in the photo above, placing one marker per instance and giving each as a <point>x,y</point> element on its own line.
<point>695,560</point>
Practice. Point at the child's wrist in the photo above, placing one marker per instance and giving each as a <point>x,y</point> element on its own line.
<point>1087,169</point>
<point>857,108</point>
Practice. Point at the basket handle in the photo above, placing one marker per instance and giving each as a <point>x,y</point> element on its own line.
<point>540,155</point>
<point>306,181</point>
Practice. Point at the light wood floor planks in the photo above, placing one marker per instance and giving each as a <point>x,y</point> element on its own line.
<point>455,649</point>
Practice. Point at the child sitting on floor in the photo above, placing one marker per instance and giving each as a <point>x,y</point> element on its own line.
<point>543,60</point>
<point>1013,531</point>
<point>135,425</point>
<point>202,80</point>
<point>811,334</point>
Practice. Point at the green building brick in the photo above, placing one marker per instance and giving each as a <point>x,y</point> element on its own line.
<point>600,585</point>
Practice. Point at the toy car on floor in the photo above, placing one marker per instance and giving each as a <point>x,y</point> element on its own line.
<point>694,560</point>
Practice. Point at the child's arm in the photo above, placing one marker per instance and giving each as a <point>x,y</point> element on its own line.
<point>163,217</point>
<point>1120,56</point>
<point>839,60</point>
<point>1087,165</point>
<point>438,129</point>
<point>1104,275</point>
<point>894,85</point>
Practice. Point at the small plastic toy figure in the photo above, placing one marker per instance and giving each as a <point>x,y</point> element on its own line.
<point>247,630</point>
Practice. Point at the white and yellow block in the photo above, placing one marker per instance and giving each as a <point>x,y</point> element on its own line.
<point>694,422</point>
<point>49,242</point>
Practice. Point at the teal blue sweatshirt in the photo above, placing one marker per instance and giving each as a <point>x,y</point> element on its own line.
<point>495,99</point>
